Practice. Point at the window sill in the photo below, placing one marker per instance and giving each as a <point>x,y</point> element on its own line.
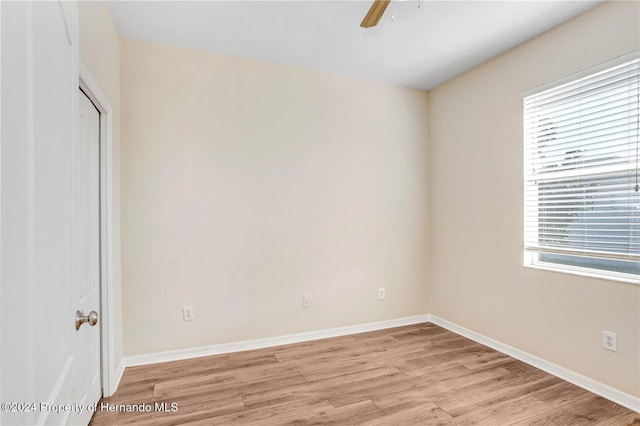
<point>584,272</point>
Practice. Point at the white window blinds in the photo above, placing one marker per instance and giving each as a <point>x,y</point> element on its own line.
<point>581,149</point>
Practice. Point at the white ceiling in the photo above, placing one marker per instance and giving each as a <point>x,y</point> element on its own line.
<point>421,47</point>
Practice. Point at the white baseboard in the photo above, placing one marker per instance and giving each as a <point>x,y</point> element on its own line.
<point>629,401</point>
<point>247,345</point>
<point>111,386</point>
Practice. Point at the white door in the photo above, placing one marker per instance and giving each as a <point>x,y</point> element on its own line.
<point>86,254</point>
<point>44,364</point>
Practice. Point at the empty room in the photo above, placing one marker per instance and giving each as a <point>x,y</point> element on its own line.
<point>370,212</point>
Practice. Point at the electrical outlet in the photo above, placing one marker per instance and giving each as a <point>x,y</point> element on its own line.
<point>188,314</point>
<point>306,301</point>
<point>609,341</point>
<point>381,293</point>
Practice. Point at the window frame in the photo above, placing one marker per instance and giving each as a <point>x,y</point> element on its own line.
<point>531,256</point>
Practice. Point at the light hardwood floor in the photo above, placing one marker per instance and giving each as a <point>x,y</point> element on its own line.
<point>413,375</point>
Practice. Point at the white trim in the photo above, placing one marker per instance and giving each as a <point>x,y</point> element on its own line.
<point>117,376</point>
<point>246,345</point>
<point>583,272</point>
<point>30,187</point>
<point>111,374</point>
<point>629,401</point>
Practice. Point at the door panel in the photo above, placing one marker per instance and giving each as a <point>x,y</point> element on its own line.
<point>50,192</point>
<point>42,357</point>
<point>15,246</point>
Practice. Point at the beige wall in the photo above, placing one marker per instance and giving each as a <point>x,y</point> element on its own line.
<point>247,185</point>
<point>100,54</point>
<point>476,198</point>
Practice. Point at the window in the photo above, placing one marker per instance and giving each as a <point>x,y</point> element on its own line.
<point>581,158</point>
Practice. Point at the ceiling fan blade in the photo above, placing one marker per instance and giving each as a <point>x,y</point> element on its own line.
<point>375,13</point>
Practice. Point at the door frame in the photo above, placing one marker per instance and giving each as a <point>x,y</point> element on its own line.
<point>109,369</point>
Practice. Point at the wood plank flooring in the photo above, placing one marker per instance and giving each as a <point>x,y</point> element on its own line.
<point>414,375</point>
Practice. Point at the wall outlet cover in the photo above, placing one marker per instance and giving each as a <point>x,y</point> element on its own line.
<point>609,341</point>
<point>382,293</point>
<point>188,314</point>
